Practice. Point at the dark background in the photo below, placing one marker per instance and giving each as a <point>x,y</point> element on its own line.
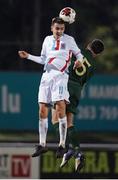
<point>24,24</point>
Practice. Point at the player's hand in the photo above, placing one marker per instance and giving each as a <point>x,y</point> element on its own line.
<point>77,64</point>
<point>23,54</point>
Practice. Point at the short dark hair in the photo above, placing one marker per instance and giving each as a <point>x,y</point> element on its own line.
<point>97,46</point>
<point>57,20</point>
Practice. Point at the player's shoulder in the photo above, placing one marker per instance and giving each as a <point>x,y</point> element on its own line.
<point>68,36</point>
<point>47,38</point>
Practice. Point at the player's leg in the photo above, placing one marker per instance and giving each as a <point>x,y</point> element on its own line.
<point>72,132</point>
<point>60,109</point>
<point>71,110</point>
<point>43,123</point>
<point>70,138</point>
<point>72,135</point>
<point>43,99</point>
<point>60,95</point>
<point>55,121</point>
<point>74,147</point>
<point>43,127</point>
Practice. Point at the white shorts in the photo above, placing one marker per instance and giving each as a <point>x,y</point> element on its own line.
<point>53,87</point>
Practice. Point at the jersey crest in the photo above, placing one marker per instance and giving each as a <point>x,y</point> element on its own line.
<point>63,46</point>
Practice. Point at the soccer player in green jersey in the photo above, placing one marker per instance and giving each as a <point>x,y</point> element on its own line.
<point>77,79</point>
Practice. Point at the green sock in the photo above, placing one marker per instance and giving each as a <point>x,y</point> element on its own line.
<point>73,138</point>
<point>56,129</point>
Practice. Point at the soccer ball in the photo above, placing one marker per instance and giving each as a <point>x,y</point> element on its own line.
<point>67,14</point>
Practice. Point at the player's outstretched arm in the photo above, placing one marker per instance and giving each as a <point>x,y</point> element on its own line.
<point>23,54</point>
<point>37,59</point>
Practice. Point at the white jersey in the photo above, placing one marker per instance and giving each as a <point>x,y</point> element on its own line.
<point>58,52</point>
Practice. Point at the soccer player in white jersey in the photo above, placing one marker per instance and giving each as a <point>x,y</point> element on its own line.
<point>55,55</point>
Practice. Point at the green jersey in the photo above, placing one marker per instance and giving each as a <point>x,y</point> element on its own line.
<point>77,78</point>
<point>83,74</point>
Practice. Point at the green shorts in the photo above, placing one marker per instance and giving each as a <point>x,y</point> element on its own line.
<point>75,93</point>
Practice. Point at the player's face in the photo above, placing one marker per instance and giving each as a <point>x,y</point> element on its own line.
<point>57,30</point>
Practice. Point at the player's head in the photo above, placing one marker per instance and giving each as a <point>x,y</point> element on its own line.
<point>57,27</point>
<point>97,46</point>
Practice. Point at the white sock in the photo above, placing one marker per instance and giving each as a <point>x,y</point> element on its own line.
<point>62,130</point>
<point>43,127</point>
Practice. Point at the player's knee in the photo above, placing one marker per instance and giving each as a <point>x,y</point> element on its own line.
<point>61,112</point>
<point>61,109</point>
<point>42,114</point>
